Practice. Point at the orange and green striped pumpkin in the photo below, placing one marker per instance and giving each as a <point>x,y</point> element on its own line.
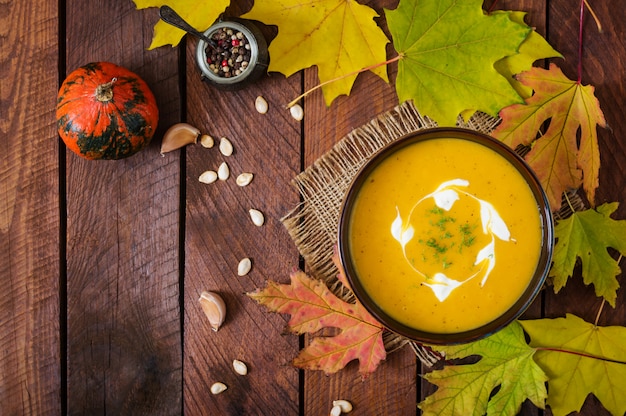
<point>105,111</point>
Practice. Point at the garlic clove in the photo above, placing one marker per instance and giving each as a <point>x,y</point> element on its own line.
<point>344,405</point>
<point>335,411</point>
<point>240,367</point>
<point>214,308</point>
<point>218,388</point>
<point>177,136</point>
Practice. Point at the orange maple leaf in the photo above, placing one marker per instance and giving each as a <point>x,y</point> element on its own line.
<point>313,307</point>
<point>566,156</point>
<point>341,275</point>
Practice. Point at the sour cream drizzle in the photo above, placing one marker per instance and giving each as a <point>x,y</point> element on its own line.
<point>444,197</point>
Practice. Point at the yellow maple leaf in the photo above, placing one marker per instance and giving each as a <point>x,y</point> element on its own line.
<point>339,36</point>
<point>199,14</point>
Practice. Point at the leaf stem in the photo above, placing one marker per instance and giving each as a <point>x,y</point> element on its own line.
<point>581,354</point>
<point>580,40</point>
<point>492,7</point>
<point>569,203</point>
<point>583,4</point>
<point>595,323</point>
<point>367,68</point>
<point>594,15</point>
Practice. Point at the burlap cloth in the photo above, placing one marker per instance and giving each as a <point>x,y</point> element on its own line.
<point>313,223</point>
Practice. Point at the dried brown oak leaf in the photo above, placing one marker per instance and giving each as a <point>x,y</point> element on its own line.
<point>313,307</point>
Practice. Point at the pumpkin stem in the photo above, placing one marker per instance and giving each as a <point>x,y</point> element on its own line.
<point>104,92</point>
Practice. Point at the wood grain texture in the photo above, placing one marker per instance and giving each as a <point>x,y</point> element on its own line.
<point>219,233</point>
<point>124,333</point>
<point>30,370</point>
<point>125,227</point>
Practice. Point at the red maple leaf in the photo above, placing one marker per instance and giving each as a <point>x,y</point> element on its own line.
<point>312,307</point>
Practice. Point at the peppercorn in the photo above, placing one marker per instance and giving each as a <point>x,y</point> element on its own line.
<point>233,53</point>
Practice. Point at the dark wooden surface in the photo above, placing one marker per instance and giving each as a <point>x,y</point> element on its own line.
<point>102,263</point>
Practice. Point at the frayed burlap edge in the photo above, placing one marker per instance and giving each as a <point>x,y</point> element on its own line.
<point>313,223</point>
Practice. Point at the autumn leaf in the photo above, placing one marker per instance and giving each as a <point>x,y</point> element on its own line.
<point>341,275</point>
<point>532,49</point>
<point>448,50</point>
<point>199,14</point>
<point>574,376</point>
<point>573,113</point>
<point>505,362</point>
<point>339,36</point>
<point>586,235</point>
<point>313,307</point>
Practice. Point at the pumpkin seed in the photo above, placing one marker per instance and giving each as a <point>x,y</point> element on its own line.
<point>296,112</point>
<point>218,388</point>
<point>244,179</point>
<point>257,217</point>
<point>240,367</point>
<point>261,105</point>
<point>207,141</point>
<point>335,411</point>
<point>244,267</point>
<point>223,172</point>
<point>209,176</point>
<point>226,147</point>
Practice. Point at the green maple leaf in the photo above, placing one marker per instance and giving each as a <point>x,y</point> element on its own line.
<point>506,362</point>
<point>198,14</point>
<point>340,37</point>
<point>586,235</point>
<point>572,377</point>
<point>448,50</point>
<point>532,49</point>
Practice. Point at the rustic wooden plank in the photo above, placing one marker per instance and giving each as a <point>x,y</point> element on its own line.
<point>124,326</point>
<point>603,66</point>
<point>30,371</point>
<point>219,233</point>
<point>394,387</point>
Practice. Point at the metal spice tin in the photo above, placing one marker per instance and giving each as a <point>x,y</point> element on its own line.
<point>243,31</point>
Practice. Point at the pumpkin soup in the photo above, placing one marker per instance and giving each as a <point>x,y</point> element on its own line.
<point>445,235</point>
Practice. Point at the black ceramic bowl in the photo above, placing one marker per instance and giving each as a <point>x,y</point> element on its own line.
<point>542,266</point>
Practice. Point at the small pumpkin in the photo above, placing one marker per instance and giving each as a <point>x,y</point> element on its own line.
<point>105,111</point>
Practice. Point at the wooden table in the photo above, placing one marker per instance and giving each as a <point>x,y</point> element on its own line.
<point>103,262</point>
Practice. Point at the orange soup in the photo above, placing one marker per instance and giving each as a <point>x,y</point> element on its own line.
<point>445,235</point>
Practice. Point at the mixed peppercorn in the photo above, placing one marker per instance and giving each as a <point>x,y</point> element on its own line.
<point>231,56</point>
